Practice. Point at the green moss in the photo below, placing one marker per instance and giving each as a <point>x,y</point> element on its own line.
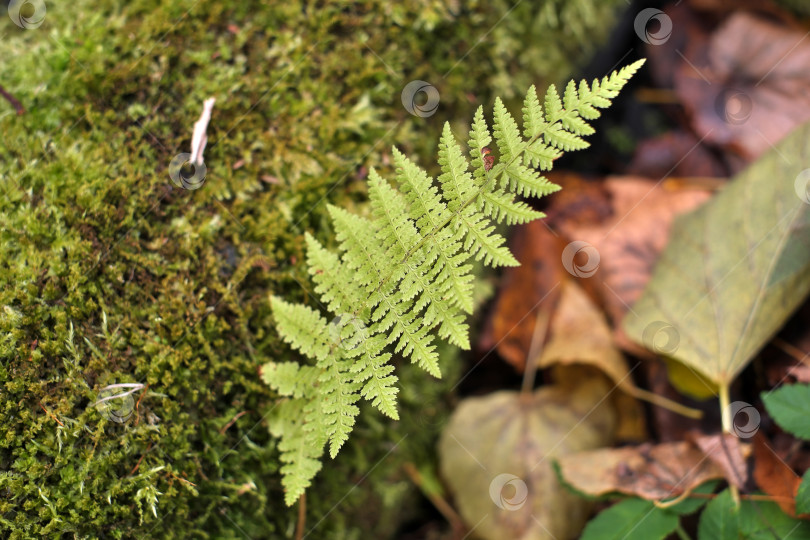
<point>111,274</point>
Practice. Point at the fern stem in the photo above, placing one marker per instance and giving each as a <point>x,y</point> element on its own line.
<point>302,517</point>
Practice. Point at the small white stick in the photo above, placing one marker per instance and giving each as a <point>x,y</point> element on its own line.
<point>199,137</point>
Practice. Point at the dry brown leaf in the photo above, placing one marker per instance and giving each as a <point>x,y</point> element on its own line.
<point>524,290</point>
<point>727,453</point>
<point>801,373</point>
<point>495,456</point>
<point>583,200</point>
<point>630,241</point>
<point>652,472</point>
<point>748,88</point>
<point>774,476</point>
<point>676,153</point>
<point>580,335</point>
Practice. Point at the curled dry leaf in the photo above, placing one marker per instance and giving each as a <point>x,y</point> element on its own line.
<point>775,477</point>
<point>580,336</point>
<point>652,472</point>
<point>495,456</point>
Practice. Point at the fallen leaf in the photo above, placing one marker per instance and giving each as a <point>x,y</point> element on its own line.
<point>747,89</point>
<point>630,241</point>
<point>495,456</point>
<point>524,289</point>
<point>583,200</point>
<point>726,451</point>
<point>801,373</point>
<point>652,472</point>
<point>774,477</point>
<point>580,335</point>
<point>734,269</point>
<point>676,154</point>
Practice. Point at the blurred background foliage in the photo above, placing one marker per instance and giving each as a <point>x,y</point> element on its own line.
<point>111,274</point>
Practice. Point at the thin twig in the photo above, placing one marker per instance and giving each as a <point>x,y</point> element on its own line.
<point>541,324</point>
<point>11,99</point>
<point>135,468</point>
<point>182,479</point>
<point>792,350</point>
<point>441,505</point>
<point>229,424</point>
<point>51,414</point>
<point>137,412</point>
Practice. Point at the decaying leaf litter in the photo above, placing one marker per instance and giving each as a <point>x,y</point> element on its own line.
<point>687,284</point>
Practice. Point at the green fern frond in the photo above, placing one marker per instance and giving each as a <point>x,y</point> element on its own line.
<point>403,275</point>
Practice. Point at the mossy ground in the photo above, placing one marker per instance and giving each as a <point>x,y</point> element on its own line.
<point>109,273</point>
